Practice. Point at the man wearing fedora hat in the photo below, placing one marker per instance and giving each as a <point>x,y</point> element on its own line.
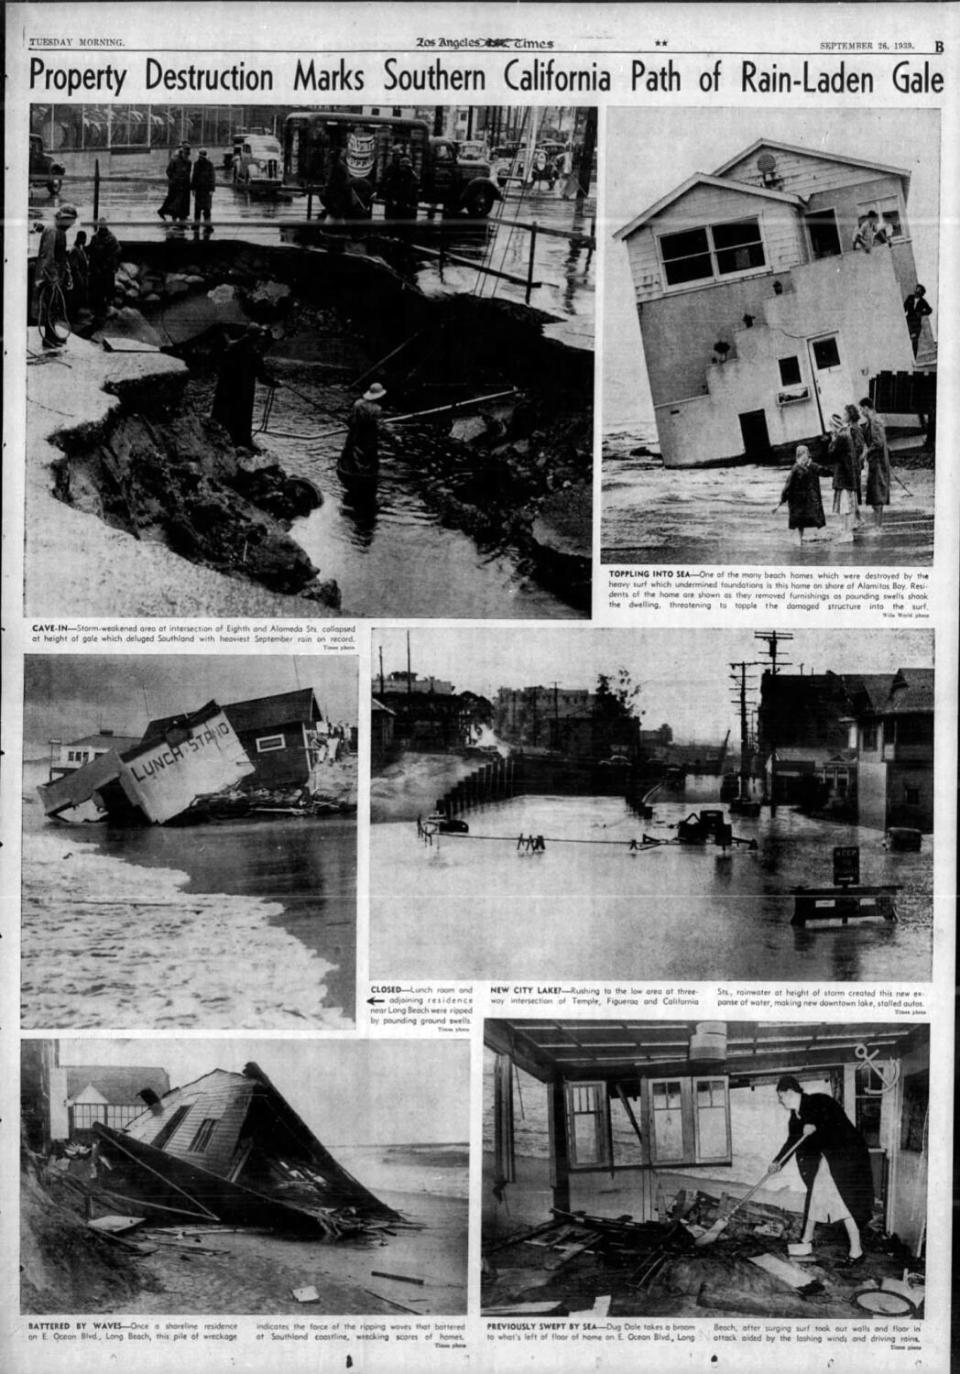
<point>53,275</point>
<point>361,452</point>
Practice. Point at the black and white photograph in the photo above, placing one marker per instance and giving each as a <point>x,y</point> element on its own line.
<point>243,1176</point>
<point>297,361</point>
<point>662,804</point>
<point>189,841</point>
<point>705,1169</point>
<point>770,336</point>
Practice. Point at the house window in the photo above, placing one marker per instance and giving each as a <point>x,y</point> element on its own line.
<point>267,743</point>
<point>715,250</point>
<point>825,352</point>
<point>911,796</point>
<point>202,1135</point>
<point>166,1131</point>
<point>688,1120</point>
<point>824,234</point>
<point>789,371</point>
<point>888,209</point>
<point>867,1106</point>
<point>587,1125</point>
<point>868,738</point>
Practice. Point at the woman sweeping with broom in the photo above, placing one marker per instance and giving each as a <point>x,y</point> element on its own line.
<point>834,1164</point>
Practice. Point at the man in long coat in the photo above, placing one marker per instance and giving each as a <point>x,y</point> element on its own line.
<point>834,1164</point>
<point>240,370</point>
<point>53,275</point>
<point>177,201</point>
<point>878,460</point>
<point>203,181</point>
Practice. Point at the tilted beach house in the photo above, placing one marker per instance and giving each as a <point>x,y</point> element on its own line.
<point>759,317</point>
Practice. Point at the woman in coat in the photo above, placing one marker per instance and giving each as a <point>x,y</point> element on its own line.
<point>801,493</point>
<point>846,470</point>
<point>834,1164</point>
<point>878,460</point>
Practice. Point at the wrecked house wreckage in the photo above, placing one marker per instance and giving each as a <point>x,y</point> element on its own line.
<point>254,757</point>
<point>628,1171</point>
<point>229,1148</point>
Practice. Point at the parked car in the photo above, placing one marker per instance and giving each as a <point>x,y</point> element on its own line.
<point>45,172</point>
<point>257,164</point>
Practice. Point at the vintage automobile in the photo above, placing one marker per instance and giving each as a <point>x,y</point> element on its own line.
<point>368,146</point>
<point>256,164</point>
<point>44,171</point>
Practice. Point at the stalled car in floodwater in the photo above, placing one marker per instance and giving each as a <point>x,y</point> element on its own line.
<point>369,145</point>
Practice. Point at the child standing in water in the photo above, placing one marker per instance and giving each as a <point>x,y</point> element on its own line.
<point>801,493</point>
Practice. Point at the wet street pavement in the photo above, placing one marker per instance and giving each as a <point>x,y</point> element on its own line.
<point>566,272</point>
<point>653,514</point>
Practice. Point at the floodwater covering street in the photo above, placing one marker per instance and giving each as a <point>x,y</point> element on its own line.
<point>653,514</point>
<point>243,924</point>
<point>474,908</point>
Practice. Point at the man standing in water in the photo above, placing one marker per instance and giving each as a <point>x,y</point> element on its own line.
<point>361,452</point>
<point>878,460</point>
<point>240,370</point>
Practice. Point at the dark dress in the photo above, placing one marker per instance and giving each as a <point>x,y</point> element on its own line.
<point>802,495</point>
<point>837,1140</point>
<point>846,468</point>
<point>241,369</point>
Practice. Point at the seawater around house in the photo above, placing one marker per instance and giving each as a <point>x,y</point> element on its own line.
<point>246,924</point>
<point>653,514</point>
<point>469,908</point>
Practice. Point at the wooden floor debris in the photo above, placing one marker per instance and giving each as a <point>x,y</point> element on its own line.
<point>582,1265</point>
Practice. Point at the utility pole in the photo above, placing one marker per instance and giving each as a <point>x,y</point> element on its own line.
<point>381,670</point>
<point>772,639</point>
<point>585,170</point>
<point>409,674</point>
<point>738,677</point>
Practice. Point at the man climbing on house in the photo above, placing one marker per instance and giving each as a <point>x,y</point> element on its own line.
<point>916,308</point>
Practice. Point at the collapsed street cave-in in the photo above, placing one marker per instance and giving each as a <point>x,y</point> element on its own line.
<point>513,474</point>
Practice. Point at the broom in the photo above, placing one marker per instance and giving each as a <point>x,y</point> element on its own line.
<point>721,1224</point>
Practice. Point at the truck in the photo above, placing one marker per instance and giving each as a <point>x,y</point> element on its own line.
<point>315,141</point>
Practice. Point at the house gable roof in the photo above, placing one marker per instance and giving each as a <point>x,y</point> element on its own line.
<point>255,714</point>
<point>117,1085</point>
<point>703,179</point>
<point>817,154</point>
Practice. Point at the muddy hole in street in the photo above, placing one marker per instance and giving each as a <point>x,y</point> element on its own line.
<point>481,507</point>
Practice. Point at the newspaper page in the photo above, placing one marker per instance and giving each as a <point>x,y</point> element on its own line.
<point>480,672</point>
